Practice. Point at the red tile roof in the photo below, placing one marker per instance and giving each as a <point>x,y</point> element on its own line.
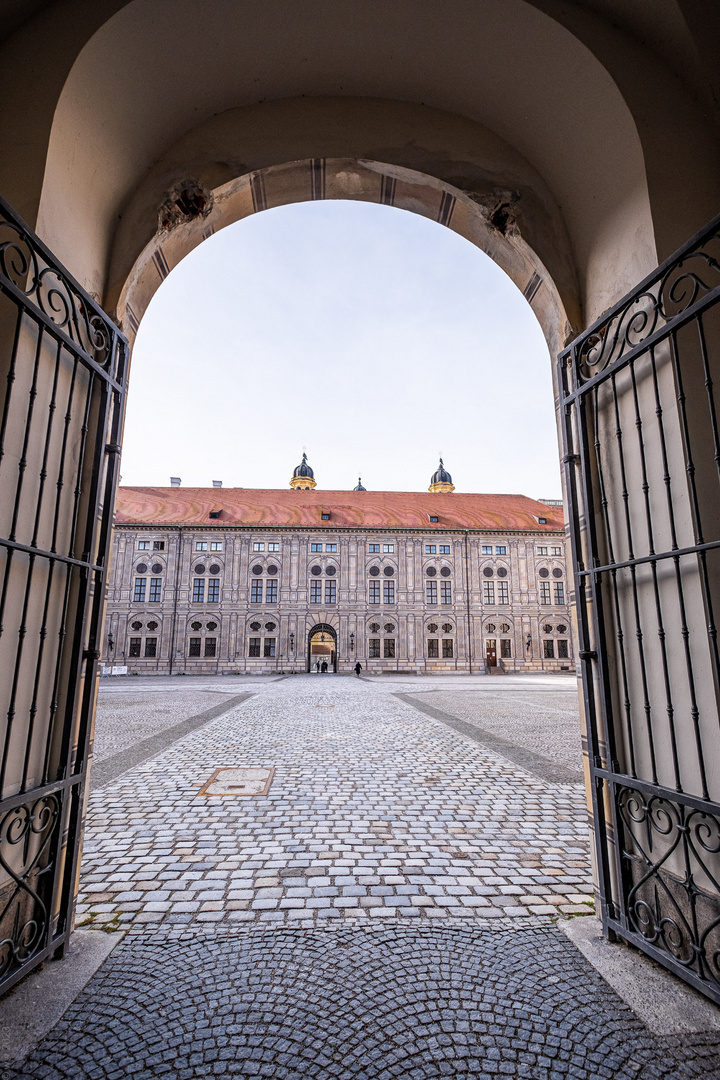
<point>347,509</point>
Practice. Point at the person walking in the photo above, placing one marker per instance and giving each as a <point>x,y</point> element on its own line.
<point>324,667</point>
<point>317,666</point>
<point>358,669</point>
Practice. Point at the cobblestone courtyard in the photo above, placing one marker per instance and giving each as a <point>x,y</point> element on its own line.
<point>388,909</point>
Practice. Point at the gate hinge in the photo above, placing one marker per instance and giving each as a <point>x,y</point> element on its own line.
<point>588,654</point>
<point>91,654</point>
<point>113,448</point>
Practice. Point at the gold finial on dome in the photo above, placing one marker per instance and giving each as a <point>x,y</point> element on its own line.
<point>303,478</point>
<point>441,480</point>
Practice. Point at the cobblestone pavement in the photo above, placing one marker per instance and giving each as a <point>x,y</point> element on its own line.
<point>412,1001</point>
<point>376,811</point>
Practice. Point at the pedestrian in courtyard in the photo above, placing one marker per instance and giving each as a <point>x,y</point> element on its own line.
<point>358,669</point>
<point>317,666</point>
<point>324,666</point>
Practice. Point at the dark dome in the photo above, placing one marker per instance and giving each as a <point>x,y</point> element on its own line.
<point>359,486</point>
<point>441,476</point>
<point>303,469</point>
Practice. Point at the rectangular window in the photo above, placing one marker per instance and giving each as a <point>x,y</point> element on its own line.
<point>155,593</point>
<point>330,592</point>
<point>271,592</point>
<point>139,594</point>
<point>431,592</point>
<point>269,646</point>
<point>389,648</point>
<point>158,545</point>
<point>199,591</point>
<point>374,647</point>
<point>548,648</point>
<point>216,545</point>
<point>273,547</point>
<point>556,551</point>
<point>257,546</point>
<point>214,591</point>
<point>486,549</point>
<point>563,650</point>
<point>388,548</point>
<point>254,646</point>
<point>210,646</point>
<point>447,647</point>
<point>388,592</point>
<point>503,592</point>
<point>559,590</point>
<point>501,550</point>
<point>151,646</point>
<point>316,592</point>
<point>324,517</point>
<point>331,547</point>
<point>505,648</point>
<point>201,545</point>
<point>433,647</point>
<point>316,547</point>
<point>488,592</point>
<point>430,549</point>
<point>135,646</point>
<point>544,592</point>
<point>542,551</point>
<point>256,592</point>
<point>143,545</point>
<point>433,518</point>
<point>445,592</point>
<point>373,547</point>
<point>194,649</point>
<point>374,597</point>
<point>444,549</point>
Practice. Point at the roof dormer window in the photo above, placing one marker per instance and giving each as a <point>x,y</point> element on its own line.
<point>433,518</point>
<point>324,517</point>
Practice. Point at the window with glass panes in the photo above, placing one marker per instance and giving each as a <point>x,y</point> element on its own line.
<point>444,549</point>
<point>388,548</point>
<point>373,547</point>
<point>331,547</point>
<point>273,547</point>
<point>158,545</point>
<point>258,546</point>
<point>214,591</point>
<point>542,550</point>
<point>374,593</point>
<point>548,648</point>
<point>505,646</point>
<point>430,549</point>
<point>155,594</point>
<point>503,593</point>
<point>151,646</point>
<point>269,646</point>
<point>559,590</point>
<point>433,648</point>
<point>556,551</point>
<point>139,594</point>
<point>488,592</point>
<point>216,545</point>
<point>374,648</point>
<point>447,647</point>
<point>256,589</point>
<point>210,646</point>
<point>330,592</point>
<point>316,547</point>
<point>563,649</point>
<point>271,591</point>
<point>445,592</point>
<point>135,646</point>
<point>388,592</point>
<point>431,592</point>
<point>201,545</point>
<point>194,646</point>
<point>389,648</point>
<point>544,592</point>
<point>254,646</point>
<point>143,545</point>
<point>316,592</point>
<point>501,549</point>
<point>486,549</point>
<point>199,590</point>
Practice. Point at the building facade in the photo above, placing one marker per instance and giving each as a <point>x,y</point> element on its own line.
<point>208,580</point>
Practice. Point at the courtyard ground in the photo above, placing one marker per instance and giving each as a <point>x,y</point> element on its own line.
<point>391,907</point>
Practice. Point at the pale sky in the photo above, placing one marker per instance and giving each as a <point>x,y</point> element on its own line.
<point>371,336</point>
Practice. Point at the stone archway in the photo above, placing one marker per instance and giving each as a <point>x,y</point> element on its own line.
<point>322,646</point>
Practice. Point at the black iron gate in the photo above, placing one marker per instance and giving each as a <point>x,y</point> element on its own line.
<point>63,371</point>
<point>642,461</point>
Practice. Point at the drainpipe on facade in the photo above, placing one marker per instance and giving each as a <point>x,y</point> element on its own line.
<point>175,599</point>
<point>467,600</point>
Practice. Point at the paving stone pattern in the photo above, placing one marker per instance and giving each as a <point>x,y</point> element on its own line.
<point>376,811</point>
<point>127,718</point>
<point>400,1000</point>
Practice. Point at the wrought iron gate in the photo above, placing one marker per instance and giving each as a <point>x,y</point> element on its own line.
<point>642,462</point>
<point>62,394</point>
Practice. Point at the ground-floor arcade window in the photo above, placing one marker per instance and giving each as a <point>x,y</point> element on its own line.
<point>210,646</point>
<point>447,649</point>
<point>433,646</point>
<point>389,648</point>
<point>254,646</point>
<point>548,648</point>
<point>269,646</point>
<point>151,647</point>
<point>563,652</point>
<point>134,649</point>
<point>505,648</point>
<point>194,646</point>
<point>374,648</point>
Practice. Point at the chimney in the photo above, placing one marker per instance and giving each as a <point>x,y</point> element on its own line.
<point>217,483</point>
<point>175,481</point>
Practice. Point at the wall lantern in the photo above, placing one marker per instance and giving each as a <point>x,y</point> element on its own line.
<point>292,643</point>
<point>110,642</point>
<point>352,642</point>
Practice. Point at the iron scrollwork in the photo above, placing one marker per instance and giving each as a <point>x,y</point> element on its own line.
<point>28,842</point>
<point>53,292</point>
<point>671,890</point>
<point>664,298</point>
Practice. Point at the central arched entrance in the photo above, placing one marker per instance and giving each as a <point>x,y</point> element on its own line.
<point>322,647</point>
